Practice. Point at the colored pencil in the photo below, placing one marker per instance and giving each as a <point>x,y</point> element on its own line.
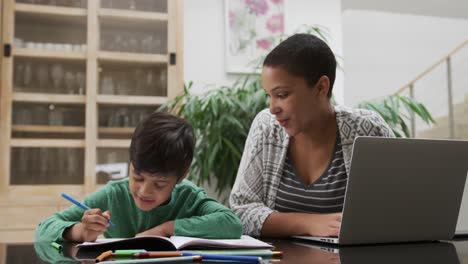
<point>127,252</point>
<point>186,259</point>
<point>57,246</point>
<point>80,204</point>
<point>239,252</point>
<point>226,257</point>
<point>162,254</point>
<point>104,255</point>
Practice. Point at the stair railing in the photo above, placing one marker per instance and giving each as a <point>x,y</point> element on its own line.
<point>410,86</point>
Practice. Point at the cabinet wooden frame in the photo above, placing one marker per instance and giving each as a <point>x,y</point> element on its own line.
<point>92,57</point>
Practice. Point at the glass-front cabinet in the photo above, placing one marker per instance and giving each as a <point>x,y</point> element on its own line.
<point>76,78</point>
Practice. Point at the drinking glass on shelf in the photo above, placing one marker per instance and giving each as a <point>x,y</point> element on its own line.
<point>23,161</point>
<point>72,163</point>
<point>162,91</point>
<point>40,46</point>
<point>133,42</point>
<point>77,3</point>
<point>55,116</point>
<point>121,83</point>
<point>119,43</point>
<point>59,161</point>
<point>108,41</point>
<point>112,119</point>
<point>43,163</point>
<point>157,44</point>
<point>28,75</point>
<point>111,157</point>
<point>24,116</point>
<point>119,118</point>
<point>132,4</point>
<point>135,117</point>
<point>18,43</point>
<point>122,41</point>
<point>124,118</point>
<point>70,82</point>
<point>81,81</point>
<point>42,76</point>
<point>18,76</point>
<point>49,46</point>
<point>56,72</point>
<point>150,81</point>
<point>40,115</point>
<point>139,76</point>
<point>147,44</point>
<point>107,84</point>
<point>76,47</point>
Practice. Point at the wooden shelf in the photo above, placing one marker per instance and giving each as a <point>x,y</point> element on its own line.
<point>48,143</point>
<point>128,57</point>
<point>21,195</point>
<point>49,98</point>
<point>116,130</point>
<point>131,100</point>
<point>47,129</point>
<point>70,129</point>
<point>51,11</point>
<point>113,143</point>
<point>48,54</point>
<point>131,16</point>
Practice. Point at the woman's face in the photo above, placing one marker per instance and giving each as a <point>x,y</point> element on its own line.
<point>295,104</point>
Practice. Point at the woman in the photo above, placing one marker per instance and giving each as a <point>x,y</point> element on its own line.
<point>293,173</point>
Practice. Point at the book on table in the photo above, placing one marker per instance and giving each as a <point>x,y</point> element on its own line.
<point>174,243</point>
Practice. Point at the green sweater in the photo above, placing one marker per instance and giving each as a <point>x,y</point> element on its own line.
<point>195,214</point>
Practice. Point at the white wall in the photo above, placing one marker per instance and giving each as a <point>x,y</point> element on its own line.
<point>384,51</point>
<point>204,37</point>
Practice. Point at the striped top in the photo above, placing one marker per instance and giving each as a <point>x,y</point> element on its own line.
<point>325,195</point>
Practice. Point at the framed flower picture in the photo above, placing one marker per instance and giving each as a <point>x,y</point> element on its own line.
<point>252,26</point>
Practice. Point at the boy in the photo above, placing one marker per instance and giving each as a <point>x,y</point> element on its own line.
<point>154,200</point>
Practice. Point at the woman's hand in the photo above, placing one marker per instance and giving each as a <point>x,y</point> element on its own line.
<point>301,224</point>
<point>324,224</point>
<point>93,224</point>
<point>166,229</point>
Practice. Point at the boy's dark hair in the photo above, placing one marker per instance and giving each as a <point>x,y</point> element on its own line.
<point>306,56</point>
<point>162,144</point>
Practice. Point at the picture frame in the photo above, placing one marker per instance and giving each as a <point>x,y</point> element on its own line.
<point>252,29</point>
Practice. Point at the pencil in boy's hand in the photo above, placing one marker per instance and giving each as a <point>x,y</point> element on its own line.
<point>80,204</point>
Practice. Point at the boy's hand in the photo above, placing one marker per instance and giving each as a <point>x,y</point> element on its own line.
<point>166,230</point>
<point>93,224</point>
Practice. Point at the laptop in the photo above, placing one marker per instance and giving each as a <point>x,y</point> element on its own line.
<point>402,190</point>
<point>410,253</point>
<point>461,232</point>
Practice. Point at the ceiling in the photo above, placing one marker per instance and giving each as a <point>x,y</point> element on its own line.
<point>440,8</point>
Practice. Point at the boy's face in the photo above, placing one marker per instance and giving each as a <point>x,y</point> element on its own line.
<point>150,191</point>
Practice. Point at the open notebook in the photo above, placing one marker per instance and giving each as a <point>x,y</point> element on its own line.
<point>158,243</point>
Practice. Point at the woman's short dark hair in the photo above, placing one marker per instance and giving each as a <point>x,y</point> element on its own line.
<point>162,144</point>
<point>306,56</point>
